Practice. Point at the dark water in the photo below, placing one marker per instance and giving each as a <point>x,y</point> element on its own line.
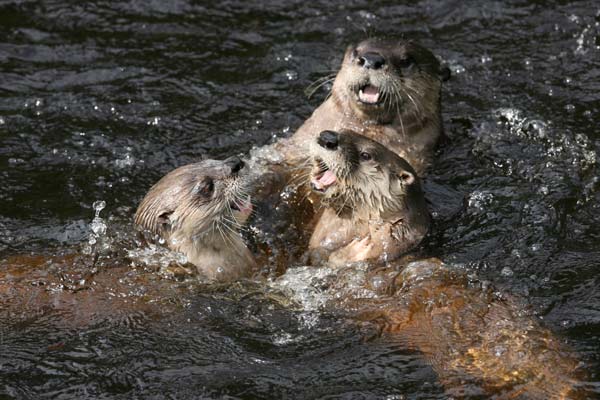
<point>98,100</point>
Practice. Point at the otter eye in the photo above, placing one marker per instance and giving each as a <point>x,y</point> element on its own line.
<point>405,62</point>
<point>364,156</point>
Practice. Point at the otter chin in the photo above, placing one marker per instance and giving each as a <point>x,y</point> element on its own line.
<point>374,208</point>
<point>386,90</point>
<point>198,210</point>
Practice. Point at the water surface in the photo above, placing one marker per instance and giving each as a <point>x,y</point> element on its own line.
<point>100,99</point>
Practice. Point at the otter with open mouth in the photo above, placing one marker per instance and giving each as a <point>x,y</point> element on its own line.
<point>198,209</point>
<point>388,91</point>
<point>374,208</point>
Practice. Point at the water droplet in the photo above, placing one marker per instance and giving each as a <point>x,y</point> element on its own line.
<point>87,250</point>
<point>485,59</point>
<point>98,226</point>
<point>499,350</point>
<point>479,200</point>
<point>367,15</point>
<point>291,75</point>
<point>127,161</point>
<point>99,205</point>
<point>458,69</point>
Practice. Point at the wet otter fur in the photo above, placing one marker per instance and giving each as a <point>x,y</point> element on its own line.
<point>198,209</point>
<point>387,90</point>
<point>470,334</point>
<point>374,208</point>
<point>375,212</point>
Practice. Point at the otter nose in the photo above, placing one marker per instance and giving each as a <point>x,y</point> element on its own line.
<point>328,140</point>
<point>235,163</point>
<point>371,60</point>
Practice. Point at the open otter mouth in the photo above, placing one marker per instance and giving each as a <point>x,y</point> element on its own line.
<point>243,206</point>
<point>322,178</point>
<point>369,94</point>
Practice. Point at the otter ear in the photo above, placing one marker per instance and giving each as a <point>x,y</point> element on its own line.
<point>164,221</point>
<point>349,50</point>
<point>445,73</point>
<point>406,178</point>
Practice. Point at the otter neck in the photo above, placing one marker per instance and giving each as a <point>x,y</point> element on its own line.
<point>411,212</point>
<point>209,247</point>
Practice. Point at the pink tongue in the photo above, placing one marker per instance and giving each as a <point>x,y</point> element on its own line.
<point>369,94</point>
<point>245,208</point>
<point>326,180</point>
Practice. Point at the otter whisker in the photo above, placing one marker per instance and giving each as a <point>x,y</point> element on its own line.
<point>399,112</point>
<point>316,85</point>
<point>293,180</point>
<point>417,105</point>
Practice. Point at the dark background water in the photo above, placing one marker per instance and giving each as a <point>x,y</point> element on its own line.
<point>99,99</point>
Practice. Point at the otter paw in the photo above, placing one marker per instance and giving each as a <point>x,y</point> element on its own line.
<point>355,251</point>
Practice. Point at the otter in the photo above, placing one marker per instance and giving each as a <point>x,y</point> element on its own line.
<point>374,208</point>
<point>198,209</point>
<point>388,91</point>
<point>374,213</point>
<point>470,333</point>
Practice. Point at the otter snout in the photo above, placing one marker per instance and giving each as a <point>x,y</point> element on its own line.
<point>371,60</point>
<point>235,164</point>
<point>328,140</point>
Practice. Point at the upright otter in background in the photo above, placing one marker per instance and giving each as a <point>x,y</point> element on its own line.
<point>198,210</point>
<point>374,206</point>
<point>388,91</point>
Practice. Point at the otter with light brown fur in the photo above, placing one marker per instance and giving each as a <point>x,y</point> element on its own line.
<point>375,212</point>
<point>374,208</point>
<point>198,209</point>
<point>388,91</point>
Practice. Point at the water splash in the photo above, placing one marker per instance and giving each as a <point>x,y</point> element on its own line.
<point>97,240</point>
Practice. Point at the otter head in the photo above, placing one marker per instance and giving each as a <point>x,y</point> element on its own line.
<point>199,204</point>
<point>390,80</point>
<point>358,176</point>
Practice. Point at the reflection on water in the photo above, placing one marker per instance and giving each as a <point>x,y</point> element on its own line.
<point>98,100</point>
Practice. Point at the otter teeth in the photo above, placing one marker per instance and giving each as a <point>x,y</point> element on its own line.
<point>369,94</point>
